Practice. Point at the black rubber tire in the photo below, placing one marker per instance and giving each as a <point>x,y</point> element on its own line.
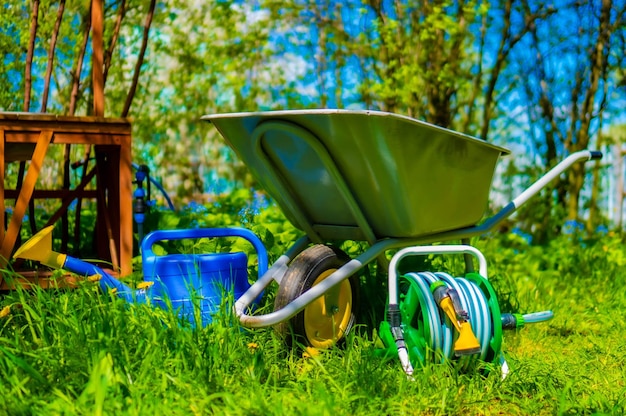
<point>313,263</point>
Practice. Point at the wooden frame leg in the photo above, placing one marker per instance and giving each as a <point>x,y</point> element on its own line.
<point>25,195</point>
<point>125,206</point>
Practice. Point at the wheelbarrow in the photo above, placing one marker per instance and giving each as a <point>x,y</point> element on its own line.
<point>395,183</point>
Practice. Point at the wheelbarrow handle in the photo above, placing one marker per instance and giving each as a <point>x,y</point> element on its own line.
<point>521,199</point>
<point>160,235</point>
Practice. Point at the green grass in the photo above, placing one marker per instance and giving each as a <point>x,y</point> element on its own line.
<point>83,352</point>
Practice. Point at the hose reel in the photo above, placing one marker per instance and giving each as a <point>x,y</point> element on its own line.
<point>436,318</point>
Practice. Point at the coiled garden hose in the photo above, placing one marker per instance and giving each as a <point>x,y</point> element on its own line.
<point>429,334</point>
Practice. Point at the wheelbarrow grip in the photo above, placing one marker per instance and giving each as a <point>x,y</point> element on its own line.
<point>595,155</point>
<point>159,235</point>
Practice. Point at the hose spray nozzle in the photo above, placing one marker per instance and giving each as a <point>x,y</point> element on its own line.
<point>450,303</point>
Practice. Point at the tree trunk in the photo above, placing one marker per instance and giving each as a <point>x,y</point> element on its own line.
<point>108,55</point>
<point>142,52</point>
<point>34,20</point>
<point>53,43</point>
<point>78,66</point>
<point>598,68</point>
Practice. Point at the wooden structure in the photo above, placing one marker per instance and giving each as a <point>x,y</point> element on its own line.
<point>28,136</point>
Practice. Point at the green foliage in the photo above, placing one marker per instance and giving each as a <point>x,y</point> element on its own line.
<point>206,57</point>
<point>450,63</point>
<point>236,209</point>
<point>13,27</point>
<point>15,23</point>
<point>587,271</point>
<point>429,50</point>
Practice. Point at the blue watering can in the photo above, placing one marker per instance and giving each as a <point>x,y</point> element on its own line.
<point>183,280</point>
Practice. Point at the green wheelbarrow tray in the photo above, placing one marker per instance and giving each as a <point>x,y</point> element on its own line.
<point>363,175</point>
<point>383,178</point>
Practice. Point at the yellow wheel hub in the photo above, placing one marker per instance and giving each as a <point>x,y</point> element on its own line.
<point>328,317</point>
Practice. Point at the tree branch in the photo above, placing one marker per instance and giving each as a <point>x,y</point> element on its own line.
<point>108,55</point>
<point>53,43</point>
<point>142,52</point>
<point>34,20</point>
<point>79,64</point>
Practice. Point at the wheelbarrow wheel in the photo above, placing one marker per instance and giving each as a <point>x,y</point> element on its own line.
<point>325,321</point>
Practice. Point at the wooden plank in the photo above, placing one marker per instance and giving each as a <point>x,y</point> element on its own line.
<point>43,278</point>
<point>54,193</point>
<point>25,123</point>
<point>21,115</point>
<point>25,194</point>
<point>61,137</point>
<point>122,127</point>
<point>91,138</point>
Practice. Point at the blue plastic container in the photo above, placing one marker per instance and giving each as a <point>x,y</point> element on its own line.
<point>188,281</point>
